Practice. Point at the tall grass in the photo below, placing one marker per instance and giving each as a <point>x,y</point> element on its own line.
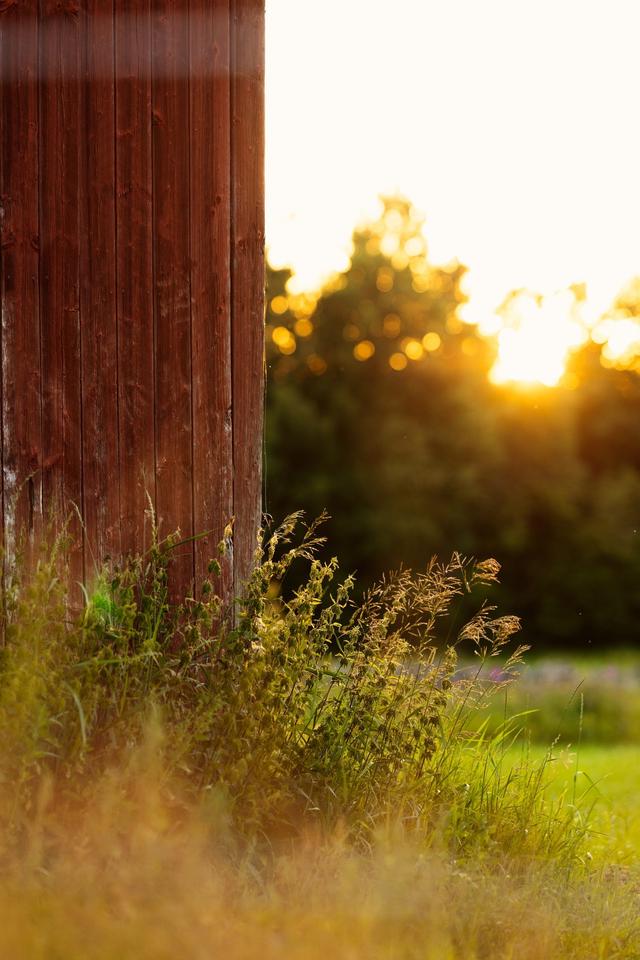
<point>311,709</point>
<point>213,780</point>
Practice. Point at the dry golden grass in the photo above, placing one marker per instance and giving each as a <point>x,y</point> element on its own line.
<point>129,883</point>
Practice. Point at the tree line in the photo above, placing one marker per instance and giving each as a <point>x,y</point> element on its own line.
<point>380,410</point>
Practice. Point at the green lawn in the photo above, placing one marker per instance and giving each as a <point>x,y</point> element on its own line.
<point>615,771</point>
<point>609,777</point>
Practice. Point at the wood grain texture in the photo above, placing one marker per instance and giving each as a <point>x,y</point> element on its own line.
<point>21,383</point>
<point>100,448</point>
<point>247,212</point>
<point>173,422</point>
<point>132,276</point>
<point>210,201</point>
<point>59,150</point>
<point>134,246</point>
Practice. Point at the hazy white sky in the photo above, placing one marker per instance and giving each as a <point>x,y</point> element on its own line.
<point>513,124</point>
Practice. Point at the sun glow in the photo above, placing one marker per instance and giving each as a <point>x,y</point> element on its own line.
<point>537,336</point>
<point>528,176</point>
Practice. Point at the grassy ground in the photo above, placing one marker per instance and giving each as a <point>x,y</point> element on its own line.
<point>610,776</point>
<point>131,882</point>
<point>160,898</point>
<point>287,788</point>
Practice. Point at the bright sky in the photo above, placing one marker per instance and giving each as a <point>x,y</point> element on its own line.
<point>512,124</point>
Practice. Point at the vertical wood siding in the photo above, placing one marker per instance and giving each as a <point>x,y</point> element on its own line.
<point>210,235</point>
<point>132,276</point>
<point>247,275</point>
<point>20,281</point>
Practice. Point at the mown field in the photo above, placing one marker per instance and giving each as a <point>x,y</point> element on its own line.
<point>614,772</point>
<point>606,778</point>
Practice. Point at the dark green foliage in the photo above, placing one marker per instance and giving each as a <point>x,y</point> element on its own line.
<point>433,457</point>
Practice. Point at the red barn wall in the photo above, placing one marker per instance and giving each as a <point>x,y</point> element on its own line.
<point>132,275</point>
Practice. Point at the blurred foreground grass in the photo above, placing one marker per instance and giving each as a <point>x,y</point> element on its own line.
<point>305,782</point>
<point>159,895</point>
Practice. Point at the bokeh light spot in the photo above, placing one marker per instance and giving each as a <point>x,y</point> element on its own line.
<point>419,266</point>
<point>280,335</point>
<point>279,305</point>
<point>420,283</point>
<point>364,350</point>
<point>393,219</point>
<point>351,332</point>
<point>316,364</point>
<point>413,349</point>
<point>303,327</point>
<point>398,361</point>
<point>284,340</point>
<point>414,247</point>
<point>399,261</point>
<point>389,244</point>
<point>391,325</point>
<point>431,341</point>
<point>384,279</point>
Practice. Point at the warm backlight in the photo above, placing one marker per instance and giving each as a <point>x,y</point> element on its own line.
<point>537,337</point>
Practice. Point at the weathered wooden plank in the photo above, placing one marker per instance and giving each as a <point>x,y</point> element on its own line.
<point>3,560</point>
<point>210,279</point>
<point>247,138</point>
<point>134,242</point>
<point>100,453</point>
<point>132,272</point>
<point>21,419</point>
<point>59,151</point>
<point>174,490</point>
